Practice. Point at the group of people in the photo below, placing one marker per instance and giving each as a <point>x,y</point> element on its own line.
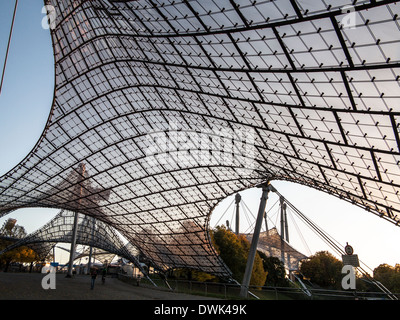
<point>93,274</point>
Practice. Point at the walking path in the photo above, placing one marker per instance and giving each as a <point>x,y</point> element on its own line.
<point>27,286</point>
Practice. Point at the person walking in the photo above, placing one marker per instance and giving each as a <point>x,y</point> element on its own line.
<point>93,274</point>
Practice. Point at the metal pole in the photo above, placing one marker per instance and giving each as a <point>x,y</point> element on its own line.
<point>8,46</point>
<point>287,256</point>
<point>237,201</point>
<point>73,246</point>
<point>256,235</point>
<point>82,170</point>
<point>282,202</point>
<point>266,224</point>
<point>90,260</point>
<point>91,246</point>
<point>286,223</point>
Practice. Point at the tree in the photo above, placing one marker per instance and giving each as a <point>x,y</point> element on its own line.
<point>234,251</point>
<point>21,254</point>
<point>193,275</point>
<point>230,250</point>
<point>276,275</point>
<point>12,230</point>
<point>323,269</point>
<point>258,275</point>
<point>389,276</point>
<point>383,273</point>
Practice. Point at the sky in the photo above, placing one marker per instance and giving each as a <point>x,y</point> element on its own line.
<point>25,103</point>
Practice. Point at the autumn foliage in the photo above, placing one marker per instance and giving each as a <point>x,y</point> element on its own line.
<point>234,250</point>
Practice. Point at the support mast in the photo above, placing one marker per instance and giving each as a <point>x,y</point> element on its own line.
<point>237,201</point>
<point>266,188</point>
<point>75,227</point>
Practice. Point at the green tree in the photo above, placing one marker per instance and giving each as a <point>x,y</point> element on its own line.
<point>276,275</point>
<point>230,250</point>
<point>383,273</point>
<point>21,254</point>
<point>389,276</point>
<point>234,251</point>
<point>193,275</point>
<point>323,269</point>
<point>258,275</point>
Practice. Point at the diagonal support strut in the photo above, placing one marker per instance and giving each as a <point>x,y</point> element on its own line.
<point>266,188</point>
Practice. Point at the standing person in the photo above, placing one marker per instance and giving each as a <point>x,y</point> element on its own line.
<point>93,274</point>
<point>103,275</point>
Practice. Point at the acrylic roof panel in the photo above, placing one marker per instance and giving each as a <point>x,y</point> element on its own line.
<point>90,232</point>
<point>163,108</point>
<point>271,244</point>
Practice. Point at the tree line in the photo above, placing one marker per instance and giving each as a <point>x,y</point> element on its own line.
<point>233,250</point>
<point>322,269</point>
<point>22,254</point>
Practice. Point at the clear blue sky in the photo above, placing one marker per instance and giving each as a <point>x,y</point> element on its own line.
<point>25,105</point>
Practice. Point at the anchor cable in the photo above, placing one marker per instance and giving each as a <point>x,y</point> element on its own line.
<point>8,45</point>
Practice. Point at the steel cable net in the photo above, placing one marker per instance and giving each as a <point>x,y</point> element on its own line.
<point>272,245</point>
<point>90,232</point>
<point>102,256</point>
<point>163,108</point>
